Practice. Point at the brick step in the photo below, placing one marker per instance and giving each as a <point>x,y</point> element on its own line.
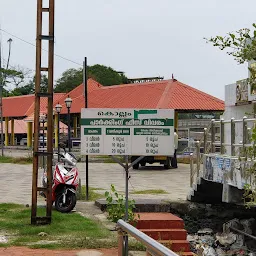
<point>166,234</point>
<point>176,245</point>
<point>159,221</point>
<point>159,224</point>
<point>187,254</point>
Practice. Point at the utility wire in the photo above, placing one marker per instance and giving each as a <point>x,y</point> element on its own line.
<point>18,65</point>
<point>57,55</point>
<point>148,85</point>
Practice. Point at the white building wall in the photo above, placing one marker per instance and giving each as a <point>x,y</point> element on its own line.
<point>233,111</point>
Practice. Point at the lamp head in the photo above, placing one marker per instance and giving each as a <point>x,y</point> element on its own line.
<point>68,102</point>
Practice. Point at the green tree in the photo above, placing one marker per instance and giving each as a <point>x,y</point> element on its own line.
<point>241,45</point>
<point>102,74</point>
<point>106,75</point>
<point>29,87</point>
<point>69,80</point>
<point>10,78</point>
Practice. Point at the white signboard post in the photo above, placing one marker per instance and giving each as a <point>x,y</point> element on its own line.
<point>139,132</point>
<point>127,132</point>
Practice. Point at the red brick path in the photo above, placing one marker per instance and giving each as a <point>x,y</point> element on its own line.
<point>23,251</point>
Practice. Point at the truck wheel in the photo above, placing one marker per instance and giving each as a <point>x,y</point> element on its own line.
<point>136,166</point>
<point>167,164</point>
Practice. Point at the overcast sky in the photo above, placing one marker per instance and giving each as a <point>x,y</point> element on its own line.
<point>139,37</point>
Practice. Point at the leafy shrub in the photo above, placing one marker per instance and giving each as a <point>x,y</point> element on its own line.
<point>116,206</point>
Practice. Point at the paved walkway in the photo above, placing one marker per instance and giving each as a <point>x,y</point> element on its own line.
<point>16,181</point>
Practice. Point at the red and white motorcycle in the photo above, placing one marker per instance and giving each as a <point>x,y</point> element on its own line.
<point>65,182</point>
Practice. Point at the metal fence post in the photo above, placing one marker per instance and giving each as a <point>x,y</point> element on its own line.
<point>120,243</point>
<point>205,140</point>
<point>222,149</point>
<point>233,136</point>
<point>191,169</point>
<point>197,158</point>
<point>153,247</point>
<point>245,133</point>
<point>213,136</point>
<point>248,139</point>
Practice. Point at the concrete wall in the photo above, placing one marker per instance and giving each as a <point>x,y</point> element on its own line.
<point>233,111</point>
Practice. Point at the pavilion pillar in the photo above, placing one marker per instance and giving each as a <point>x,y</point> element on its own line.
<point>29,134</point>
<point>176,119</point>
<point>56,130</point>
<point>12,133</point>
<point>75,126</point>
<point>6,139</point>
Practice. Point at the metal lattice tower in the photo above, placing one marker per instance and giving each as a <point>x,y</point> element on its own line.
<point>41,11</point>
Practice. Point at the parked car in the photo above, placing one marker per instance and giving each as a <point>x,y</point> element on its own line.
<point>74,141</point>
<point>23,142</point>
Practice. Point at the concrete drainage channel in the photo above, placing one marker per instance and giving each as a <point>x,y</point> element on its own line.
<point>220,229</point>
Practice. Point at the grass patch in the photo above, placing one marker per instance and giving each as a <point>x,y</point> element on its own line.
<point>16,160</point>
<point>97,188</point>
<point>183,160</point>
<point>93,196</point>
<point>68,230</point>
<point>6,159</point>
<point>150,191</point>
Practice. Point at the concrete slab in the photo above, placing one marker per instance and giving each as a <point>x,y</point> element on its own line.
<point>16,180</point>
<point>137,253</point>
<point>142,205</point>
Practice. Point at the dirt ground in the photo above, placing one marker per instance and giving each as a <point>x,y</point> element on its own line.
<point>23,251</point>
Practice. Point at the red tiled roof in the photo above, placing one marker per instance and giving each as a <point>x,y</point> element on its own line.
<point>44,103</point>
<point>17,106</point>
<point>183,97</point>
<point>77,95</point>
<point>161,94</point>
<point>170,94</point>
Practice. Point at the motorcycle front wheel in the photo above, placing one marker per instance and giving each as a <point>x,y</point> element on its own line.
<point>69,205</point>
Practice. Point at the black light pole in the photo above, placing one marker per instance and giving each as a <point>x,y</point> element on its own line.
<point>86,106</point>
<point>2,83</point>
<point>58,108</point>
<point>68,102</point>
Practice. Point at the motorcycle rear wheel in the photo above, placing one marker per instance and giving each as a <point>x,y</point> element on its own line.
<point>69,204</point>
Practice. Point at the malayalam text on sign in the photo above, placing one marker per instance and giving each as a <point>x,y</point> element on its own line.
<point>127,132</point>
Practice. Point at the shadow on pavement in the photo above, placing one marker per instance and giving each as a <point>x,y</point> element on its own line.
<point>154,168</point>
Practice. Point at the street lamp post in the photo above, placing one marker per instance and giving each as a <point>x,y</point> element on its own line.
<point>68,102</point>
<point>58,108</point>
<point>2,83</point>
<point>42,120</point>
